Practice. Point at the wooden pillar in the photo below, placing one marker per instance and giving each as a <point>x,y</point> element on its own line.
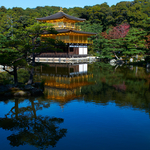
<point>87,49</point>
<point>55,53</point>
<point>56,69</point>
<point>41,68</point>
<point>76,50</point>
<point>68,69</point>
<point>68,50</point>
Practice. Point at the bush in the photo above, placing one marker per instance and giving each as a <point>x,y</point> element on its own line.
<point>23,75</point>
<point>6,78</point>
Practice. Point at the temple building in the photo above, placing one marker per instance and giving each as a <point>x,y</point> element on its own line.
<point>76,40</point>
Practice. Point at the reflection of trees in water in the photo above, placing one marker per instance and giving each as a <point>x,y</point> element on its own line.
<point>31,129</point>
<point>126,87</point>
<point>30,110</point>
<point>40,132</point>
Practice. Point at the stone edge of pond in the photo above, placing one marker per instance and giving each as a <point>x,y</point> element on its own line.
<point>11,90</point>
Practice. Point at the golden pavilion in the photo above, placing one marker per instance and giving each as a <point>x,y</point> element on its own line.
<point>76,40</point>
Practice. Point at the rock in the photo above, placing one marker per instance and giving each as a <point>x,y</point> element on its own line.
<point>131,59</point>
<point>113,62</point>
<point>119,62</point>
<point>8,94</point>
<point>22,93</point>
<point>36,92</point>
<point>14,89</point>
<point>20,85</point>
<point>27,90</point>
<point>37,84</point>
<point>3,89</point>
<point>9,86</point>
<point>148,65</point>
<point>28,87</point>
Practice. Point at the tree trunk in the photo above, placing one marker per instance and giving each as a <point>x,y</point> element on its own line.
<point>15,75</point>
<point>30,81</point>
<point>33,108</point>
<point>16,108</point>
<point>116,56</point>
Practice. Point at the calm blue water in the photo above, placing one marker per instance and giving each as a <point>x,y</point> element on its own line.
<point>91,126</point>
<point>107,119</point>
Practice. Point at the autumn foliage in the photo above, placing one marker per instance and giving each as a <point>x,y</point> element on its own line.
<point>117,32</point>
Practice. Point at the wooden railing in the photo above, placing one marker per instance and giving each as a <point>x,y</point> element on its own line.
<point>66,25</point>
<point>74,39</point>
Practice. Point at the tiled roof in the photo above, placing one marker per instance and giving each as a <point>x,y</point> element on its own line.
<point>67,30</point>
<point>60,15</point>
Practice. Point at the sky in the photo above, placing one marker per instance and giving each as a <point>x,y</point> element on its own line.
<point>61,3</point>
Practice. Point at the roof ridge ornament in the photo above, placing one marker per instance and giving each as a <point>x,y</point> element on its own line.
<point>61,9</point>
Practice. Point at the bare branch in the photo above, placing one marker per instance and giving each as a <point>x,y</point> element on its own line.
<point>10,72</point>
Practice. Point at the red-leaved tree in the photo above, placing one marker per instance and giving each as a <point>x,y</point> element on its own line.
<point>117,32</point>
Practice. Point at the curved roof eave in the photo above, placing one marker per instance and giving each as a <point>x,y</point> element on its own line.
<point>67,30</point>
<point>60,15</point>
<point>81,32</point>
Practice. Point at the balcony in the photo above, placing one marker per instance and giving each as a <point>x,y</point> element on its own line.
<point>74,39</point>
<point>66,25</point>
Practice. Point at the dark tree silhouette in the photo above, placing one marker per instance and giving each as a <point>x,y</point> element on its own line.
<point>38,131</point>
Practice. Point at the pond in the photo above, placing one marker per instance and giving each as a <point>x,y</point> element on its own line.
<point>85,106</point>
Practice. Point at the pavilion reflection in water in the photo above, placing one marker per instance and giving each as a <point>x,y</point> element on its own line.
<point>63,82</point>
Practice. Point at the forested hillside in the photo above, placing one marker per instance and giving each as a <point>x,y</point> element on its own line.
<point>123,29</point>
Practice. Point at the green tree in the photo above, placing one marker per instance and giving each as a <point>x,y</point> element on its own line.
<point>101,14</point>
<point>11,55</point>
<point>120,13</point>
<point>88,27</point>
<point>33,33</point>
<point>135,42</point>
<point>108,48</point>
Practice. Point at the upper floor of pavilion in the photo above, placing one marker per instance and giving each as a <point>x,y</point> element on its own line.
<point>67,28</point>
<point>61,20</point>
